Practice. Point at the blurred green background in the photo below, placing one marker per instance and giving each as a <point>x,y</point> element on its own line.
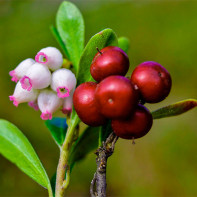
<point>164,162</point>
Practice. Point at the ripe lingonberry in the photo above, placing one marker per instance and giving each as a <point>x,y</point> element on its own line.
<point>85,106</point>
<point>134,126</point>
<point>109,61</point>
<point>116,97</point>
<point>153,80</point>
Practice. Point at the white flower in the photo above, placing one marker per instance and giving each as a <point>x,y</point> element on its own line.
<point>51,57</point>
<point>48,103</point>
<point>37,77</point>
<point>68,103</point>
<point>20,95</point>
<point>21,69</point>
<point>63,81</point>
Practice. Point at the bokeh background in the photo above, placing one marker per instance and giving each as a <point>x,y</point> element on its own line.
<point>164,162</point>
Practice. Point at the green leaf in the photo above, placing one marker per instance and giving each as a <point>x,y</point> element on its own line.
<point>58,128</point>
<point>87,142</point>
<point>105,38</point>
<point>59,40</point>
<point>175,109</point>
<point>124,44</point>
<point>104,132</point>
<point>70,26</point>
<point>15,147</point>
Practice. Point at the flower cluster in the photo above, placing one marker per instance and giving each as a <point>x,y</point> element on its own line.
<point>43,83</point>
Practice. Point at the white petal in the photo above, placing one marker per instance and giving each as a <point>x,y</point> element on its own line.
<point>20,95</point>
<point>37,77</point>
<point>63,81</point>
<point>48,103</point>
<point>21,69</point>
<point>51,57</point>
<point>68,103</point>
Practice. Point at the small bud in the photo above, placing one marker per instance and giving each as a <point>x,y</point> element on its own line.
<point>48,103</point>
<point>37,77</point>
<point>51,57</point>
<point>63,81</point>
<point>21,69</point>
<point>68,103</point>
<point>34,105</point>
<point>20,95</point>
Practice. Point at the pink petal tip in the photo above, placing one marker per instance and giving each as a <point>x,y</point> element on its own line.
<point>66,111</point>
<point>14,78</point>
<point>41,58</point>
<point>63,92</point>
<point>46,115</point>
<point>12,98</point>
<point>34,105</point>
<point>26,83</point>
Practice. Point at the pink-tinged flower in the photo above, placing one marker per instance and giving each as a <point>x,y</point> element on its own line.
<point>68,103</point>
<point>48,103</point>
<point>21,96</point>
<point>37,77</point>
<point>21,69</point>
<point>34,105</point>
<point>63,81</point>
<point>51,57</point>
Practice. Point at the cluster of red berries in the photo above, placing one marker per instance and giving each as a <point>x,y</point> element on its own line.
<point>119,98</point>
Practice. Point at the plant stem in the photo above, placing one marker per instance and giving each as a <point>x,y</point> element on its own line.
<point>99,180</point>
<point>63,166</point>
<point>50,191</point>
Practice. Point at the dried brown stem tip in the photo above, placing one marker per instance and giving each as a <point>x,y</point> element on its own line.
<point>99,50</point>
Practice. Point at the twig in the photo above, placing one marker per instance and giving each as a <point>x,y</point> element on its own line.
<point>103,152</point>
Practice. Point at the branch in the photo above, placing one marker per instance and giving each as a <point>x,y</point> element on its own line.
<point>99,180</point>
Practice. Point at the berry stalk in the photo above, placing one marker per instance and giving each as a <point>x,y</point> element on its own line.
<point>98,184</point>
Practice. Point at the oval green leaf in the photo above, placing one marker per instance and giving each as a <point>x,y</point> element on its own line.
<point>59,40</point>
<point>15,147</point>
<point>124,44</point>
<point>175,109</point>
<point>105,38</point>
<point>58,128</point>
<point>70,26</point>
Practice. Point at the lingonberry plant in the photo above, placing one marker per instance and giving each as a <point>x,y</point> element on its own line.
<point>112,107</point>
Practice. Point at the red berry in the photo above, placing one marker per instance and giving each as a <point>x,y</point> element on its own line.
<point>135,126</point>
<point>153,80</point>
<point>116,97</point>
<point>109,61</point>
<point>84,103</point>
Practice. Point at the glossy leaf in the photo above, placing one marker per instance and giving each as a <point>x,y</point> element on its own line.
<point>87,142</point>
<point>15,147</point>
<point>70,26</point>
<point>59,40</point>
<point>58,128</point>
<point>175,109</point>
<point>105,38</point>
<point>124,44</point>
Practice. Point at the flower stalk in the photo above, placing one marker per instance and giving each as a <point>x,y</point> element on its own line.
<point>63,169</point>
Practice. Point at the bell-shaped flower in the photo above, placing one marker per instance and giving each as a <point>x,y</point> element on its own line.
<point>34,105</point>
<point>48,103</point>
<point>21,96</point>
<point>68,103</point>
<point>21,69</point>
<point>63,81</point>
<point>51,57</point>
<point>37,77</point>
